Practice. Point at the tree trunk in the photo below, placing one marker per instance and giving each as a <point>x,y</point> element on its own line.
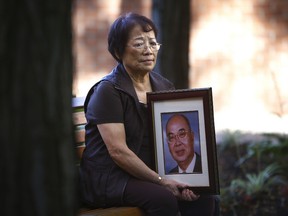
<point>37,155</point>
<point>173,20</point>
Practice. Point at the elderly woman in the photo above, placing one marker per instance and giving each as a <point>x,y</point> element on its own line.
<point>117,165</point>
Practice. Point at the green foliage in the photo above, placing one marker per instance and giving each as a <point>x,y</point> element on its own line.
<point>257,183</point>
<point>252,177</point>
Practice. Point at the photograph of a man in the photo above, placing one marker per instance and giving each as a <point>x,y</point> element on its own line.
<point>180,139</point>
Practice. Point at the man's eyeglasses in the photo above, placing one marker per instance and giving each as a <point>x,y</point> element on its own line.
<point>182,134</point>
<point>154,46</point>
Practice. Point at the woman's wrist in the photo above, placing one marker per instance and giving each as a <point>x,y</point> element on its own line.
<point>160,179</point>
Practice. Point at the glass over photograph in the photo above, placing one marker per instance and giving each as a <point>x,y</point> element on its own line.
<point>181,143</point>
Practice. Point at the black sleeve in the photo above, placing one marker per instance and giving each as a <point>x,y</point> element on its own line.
<point>104,105</point>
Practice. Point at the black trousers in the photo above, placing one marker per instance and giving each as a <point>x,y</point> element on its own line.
<point>155,200</point>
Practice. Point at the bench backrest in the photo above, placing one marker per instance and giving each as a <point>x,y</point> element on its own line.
<point>79,121</point>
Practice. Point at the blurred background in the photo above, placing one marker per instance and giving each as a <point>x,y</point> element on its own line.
<point>239,48</point>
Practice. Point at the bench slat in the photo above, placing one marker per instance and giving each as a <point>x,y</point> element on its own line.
<point>115,211</point>
<point>79,151</point>
<point>79,118</point>
<point>79,135</point>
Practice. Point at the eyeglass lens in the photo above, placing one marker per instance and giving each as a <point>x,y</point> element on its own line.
<point>180,135</point>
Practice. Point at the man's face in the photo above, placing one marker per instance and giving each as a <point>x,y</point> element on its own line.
<point>180,140</point>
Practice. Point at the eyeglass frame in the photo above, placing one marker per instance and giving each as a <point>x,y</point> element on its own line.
<point>158,45</point>
<point>177,136</point>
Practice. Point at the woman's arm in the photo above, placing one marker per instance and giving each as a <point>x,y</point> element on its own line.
<point>114,137</point>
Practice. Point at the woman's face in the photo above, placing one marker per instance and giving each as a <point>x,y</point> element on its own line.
<point>140,60</point>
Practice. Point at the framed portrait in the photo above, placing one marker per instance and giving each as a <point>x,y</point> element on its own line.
<point>183,133</point>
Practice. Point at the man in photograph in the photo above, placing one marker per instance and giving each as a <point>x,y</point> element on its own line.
<point>180,139</point>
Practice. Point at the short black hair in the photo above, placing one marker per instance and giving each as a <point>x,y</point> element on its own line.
<point>120,30</point>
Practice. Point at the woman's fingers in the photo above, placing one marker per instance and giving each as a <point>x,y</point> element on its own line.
<point>188,195</point>
<point>180,190</point>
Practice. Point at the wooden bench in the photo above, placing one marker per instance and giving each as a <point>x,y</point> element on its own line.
<point>79,128</point>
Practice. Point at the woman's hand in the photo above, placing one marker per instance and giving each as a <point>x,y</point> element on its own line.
<point>179,190</point>
<point>188,195</point>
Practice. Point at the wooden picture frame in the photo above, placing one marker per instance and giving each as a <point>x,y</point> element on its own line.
<point>197,106</point>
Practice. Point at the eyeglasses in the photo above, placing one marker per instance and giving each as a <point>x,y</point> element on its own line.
<point>182,134</point>
<point>154,46</point>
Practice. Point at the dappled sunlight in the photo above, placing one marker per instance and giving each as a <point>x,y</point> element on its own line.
<point>239,48</point>
<point>91,23</point>
<point>230,52</point>
<point>83,84</point>
<point>223,36</point>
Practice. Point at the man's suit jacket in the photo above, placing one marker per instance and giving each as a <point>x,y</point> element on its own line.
<point>197,168</point>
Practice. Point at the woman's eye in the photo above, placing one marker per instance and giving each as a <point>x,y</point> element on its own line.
<point>153,44</point>
<point>137,45</point>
